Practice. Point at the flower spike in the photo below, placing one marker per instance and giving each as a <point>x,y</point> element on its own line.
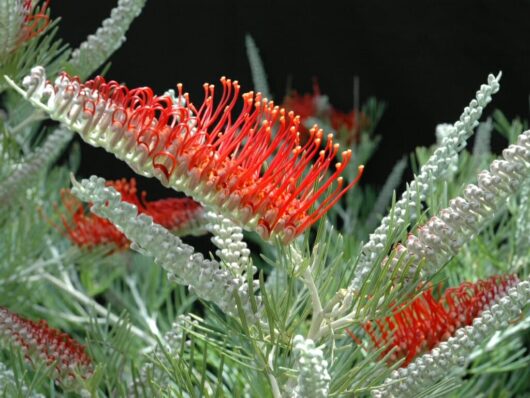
<point>254,167</point>
<point>425,321</point>
<point>39,342</point>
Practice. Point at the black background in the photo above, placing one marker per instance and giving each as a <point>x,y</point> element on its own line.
<point>424,58</point>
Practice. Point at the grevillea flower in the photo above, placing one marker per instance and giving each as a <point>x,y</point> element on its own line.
<point>316,107</point>
<point>254,167</point>
<point>35,19</point>
<point>180,215</point>
<point>348,126</point>
<point>422,324</point>
<point>308,106</point>
<point>20,21</point>
<point>86,229</point>
<point>39,342</point>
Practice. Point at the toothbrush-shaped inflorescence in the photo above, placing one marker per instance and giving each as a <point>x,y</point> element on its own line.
<point>422,324</point>
<point>228,237</point>
<point>433,366</point>
<point>98,47</point>
<point>453,141</point>
<point>39,342</point>
<point>313,376</point>
<point>24,173</point>
<point>206,278</point>
<point>254,167</point>
<point>443,235</point>
<point>182,216</point>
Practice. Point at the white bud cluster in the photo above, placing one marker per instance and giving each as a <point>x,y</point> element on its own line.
<point>98,47</point>
<point>453,141</point>
<point>443,235</point>
<point>9,384</point>
<point>522,232</point>
<point>11,21</point>
<point>206,278</point>
<point>228,237</point>
<point>443,131</point>
<point>23,173</point>
<point>429,368</point>
<point>313,376</point>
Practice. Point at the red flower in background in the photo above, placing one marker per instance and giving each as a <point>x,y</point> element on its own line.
<point>39,342</point>
<point>349,126</point>
<point>422,324</point>
<point>307,106</point>
<point>36,20</point>
<point>316,107</point>
<point>85,229</point>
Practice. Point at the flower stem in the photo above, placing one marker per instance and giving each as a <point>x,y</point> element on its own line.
<point>97,307</point>
<point>318,312</point>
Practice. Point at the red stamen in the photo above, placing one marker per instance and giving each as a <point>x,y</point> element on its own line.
<point>424,322</point>
<point>255,159</point>
<point>180,215</point>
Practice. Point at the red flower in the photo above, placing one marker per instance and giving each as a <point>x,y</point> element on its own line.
<point>307,106</point>
<point>348,125</point>
<point>422,324</point>
<point>255,167</point>
<point>87,229</point>
<point>36,20</point>
<point>316,106</point>
<point>180,215</point>
<point>39,342</point>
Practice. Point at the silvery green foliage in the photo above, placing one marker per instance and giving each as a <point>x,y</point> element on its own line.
<point>443,235</point>
<point>228,237</point>
<point>385,195</point>
<point>439,362</point>
<point>171,346</point>
<point>206,278</point>
<point>9,383</point>
<point>313,376</point>
<point>259,77</point>
<point>11,20</point>
<point>99,46</point>
<point>453,141</point>
<point>23,173</point>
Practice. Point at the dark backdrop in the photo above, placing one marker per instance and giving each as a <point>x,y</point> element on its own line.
<point>425,58</point>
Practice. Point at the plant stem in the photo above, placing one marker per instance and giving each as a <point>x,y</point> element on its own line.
<point>336,324</point>
<point>318,312</point>
<point>97,307</point>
